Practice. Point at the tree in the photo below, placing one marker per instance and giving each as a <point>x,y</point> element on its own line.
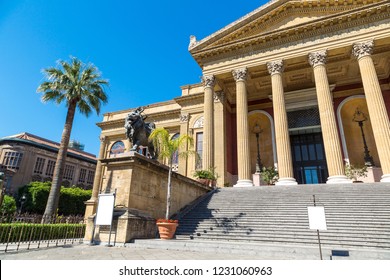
<point>166,147</point>
<point>80,86</point>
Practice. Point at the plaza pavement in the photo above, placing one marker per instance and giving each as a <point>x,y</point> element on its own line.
<point>101,252</point>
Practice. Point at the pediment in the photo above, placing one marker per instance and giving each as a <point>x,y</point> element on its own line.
<point>275,17</point>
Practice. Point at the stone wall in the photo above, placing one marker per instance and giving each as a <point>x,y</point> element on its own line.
<point>141,189</point>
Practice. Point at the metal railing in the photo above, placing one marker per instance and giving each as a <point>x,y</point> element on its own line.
<point>26,231</point>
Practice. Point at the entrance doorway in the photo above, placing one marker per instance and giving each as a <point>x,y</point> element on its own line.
<point>309,160</point>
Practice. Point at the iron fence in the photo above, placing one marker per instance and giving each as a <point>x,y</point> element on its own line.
<point>27,231</point>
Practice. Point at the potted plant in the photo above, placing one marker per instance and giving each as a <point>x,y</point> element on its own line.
<point>354,172</point>
<point>207,177</point>
<point>269,175</point>
<point>166,147</point>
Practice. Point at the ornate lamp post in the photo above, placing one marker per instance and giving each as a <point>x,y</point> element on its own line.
<point>360,118</point>
<point>257,130</point>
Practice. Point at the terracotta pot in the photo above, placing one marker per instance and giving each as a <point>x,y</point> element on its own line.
<point>167,230</point>
<point>204,181</point>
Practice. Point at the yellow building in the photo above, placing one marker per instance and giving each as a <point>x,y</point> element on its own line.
<point>305,82</point>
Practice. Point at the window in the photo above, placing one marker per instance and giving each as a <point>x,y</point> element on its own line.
<point>38,169</point>
<point>117,148</point>
<point>83,173</point>
<point>199,150</point>
<point>12,160</point>
<point>175,157</point>
<point>91,175</point>
<point>69,172</point>
<point>50,168</point>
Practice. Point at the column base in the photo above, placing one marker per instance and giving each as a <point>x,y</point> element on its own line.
<point>286,181</point>
<point>385,178</point>
<point>244,183</point>
<point>338,179</point>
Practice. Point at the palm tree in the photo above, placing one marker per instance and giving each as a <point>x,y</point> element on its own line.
<point>80,86</point>
<point>166,147</point>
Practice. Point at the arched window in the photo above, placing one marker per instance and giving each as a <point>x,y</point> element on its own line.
<point>117,148</point>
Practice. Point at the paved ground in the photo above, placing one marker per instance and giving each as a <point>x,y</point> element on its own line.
<point>86,252</point>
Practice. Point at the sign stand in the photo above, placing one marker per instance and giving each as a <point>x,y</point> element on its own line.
<point>104,213</point>
<point>317,220</point>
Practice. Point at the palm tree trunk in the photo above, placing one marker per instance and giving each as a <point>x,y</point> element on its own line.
<point>169,191</point>
<point>54,195</point>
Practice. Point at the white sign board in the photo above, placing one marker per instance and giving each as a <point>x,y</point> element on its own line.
<point>105,209</point>
<point>316,217</point>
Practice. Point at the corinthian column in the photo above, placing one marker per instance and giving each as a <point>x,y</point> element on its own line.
<point>283,148</point>
<point>243,154</point>
<point>208,132</point>
<point>375,103</point>
<point>92,202</point>
<point>334,159</point>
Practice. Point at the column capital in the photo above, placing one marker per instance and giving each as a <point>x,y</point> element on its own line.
<point>317,58</point>
<point>240,74</point>
<point>208,81</point>
<point>103,138</point>
<point>184,117</point>
<point>219,96</point>
<point>275,67</point>
<point>360,50</point>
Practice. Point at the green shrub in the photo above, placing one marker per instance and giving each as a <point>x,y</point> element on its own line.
<point>8,206</point>
<point>16,232</point>
<point>71,199</point>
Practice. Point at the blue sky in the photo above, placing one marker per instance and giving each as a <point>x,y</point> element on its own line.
<point>139,46</point>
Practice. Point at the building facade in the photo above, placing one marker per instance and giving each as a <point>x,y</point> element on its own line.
<point>26,157</point>
<point>302,86</point>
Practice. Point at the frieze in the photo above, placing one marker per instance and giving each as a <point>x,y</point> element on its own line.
<point>317,58</point>
<point>240,74</point>
<point>362,49</point>
<point>303,35</point>
<point>275,67</point>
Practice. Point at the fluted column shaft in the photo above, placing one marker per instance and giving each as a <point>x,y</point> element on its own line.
<point>243,152</point>
<point>376,105</point>
<point>283,147</point>
<point>208,125</point>
<point>330,134</point>
<point>92,202</point>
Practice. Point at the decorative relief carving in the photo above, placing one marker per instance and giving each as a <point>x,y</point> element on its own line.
<point>199,122</point>
<point>219,96</point>
<point>208,81</point>
<point>362,49</point>
<point>240,74</point>
<point>317,58</point>
<point>275,67</point>
<point>184,117</point>
<point>103,138</point>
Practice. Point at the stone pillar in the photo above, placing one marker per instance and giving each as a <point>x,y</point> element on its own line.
<point>184,118</point>
<point>208,126</point>
<point>220,138</point>
<point>375,103</point>
<point>92,202</point>
<point>334,158</point>
<point>243,150</point>
<point>283,147</point>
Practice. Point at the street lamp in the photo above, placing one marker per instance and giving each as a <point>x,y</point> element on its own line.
<point>22,200</point>
<point>257,130</point>
<point>360,118</point>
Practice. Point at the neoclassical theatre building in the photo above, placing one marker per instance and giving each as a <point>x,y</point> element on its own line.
<point>302,86</point>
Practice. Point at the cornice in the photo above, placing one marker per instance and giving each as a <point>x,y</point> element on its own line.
<point>330,24</point>
<point>189,100</point>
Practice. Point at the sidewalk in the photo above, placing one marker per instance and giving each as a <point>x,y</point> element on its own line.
<point>101,252</point>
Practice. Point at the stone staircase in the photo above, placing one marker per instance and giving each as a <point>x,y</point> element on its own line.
<point>357,215</point>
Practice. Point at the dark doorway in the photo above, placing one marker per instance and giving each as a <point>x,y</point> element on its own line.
<point>309,158</point>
